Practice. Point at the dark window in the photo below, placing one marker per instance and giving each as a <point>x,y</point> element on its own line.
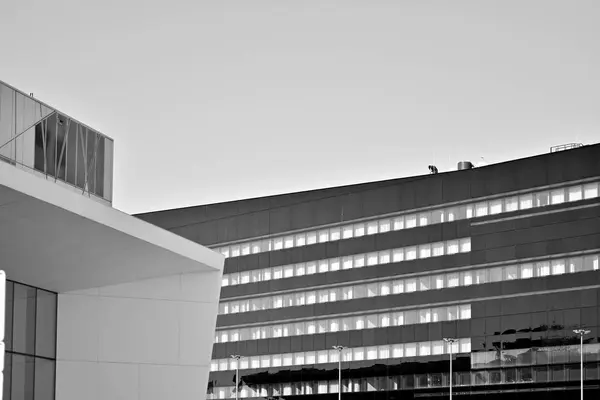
<point>44,379</point>
<point>24,319</point>
<point>45,343</point>
<point>23,370</point>
<point>8,316</point>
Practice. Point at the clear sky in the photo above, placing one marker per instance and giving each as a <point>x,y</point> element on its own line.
<point>219,100</point>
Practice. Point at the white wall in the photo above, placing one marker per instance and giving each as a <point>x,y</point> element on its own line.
<point>146,340</point>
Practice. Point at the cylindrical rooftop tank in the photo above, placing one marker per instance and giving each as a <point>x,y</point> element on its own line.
<point>465,165</point>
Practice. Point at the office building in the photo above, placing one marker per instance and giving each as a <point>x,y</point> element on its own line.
<point>503,258</point>
<point>99,304</point>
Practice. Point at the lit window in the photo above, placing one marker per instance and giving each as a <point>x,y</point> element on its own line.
<point>277,272</point>
<point>425,316</point>
<point>234,279</point>
<point>384,257</point>
<point>311,238</point>
<point>410,349</point>
<point>411,253</point>
<point>542,268</point>
<point>372,289</point>
<point>324,236</point>
<point>542,198</point>
<point>358,354</point>
<point>385,225</point>
<point>383,352</point>
<point>424,218</point>
<point>398,255</point>
<point>255,247</point>
<point>359,322</point>
<point>323,296</point>
<point>372,228</point>
<point>371,321</point>
<point>245,277</point>
<point>311,357</point>
<point>438,281</point>
<point>452,279</point>
<point>300,269</point>
<point>525,201</point>
<point>334,325</point>
<point>347,262</point>
<point>410,221</point>
<point>480,276</point>
<point>398,223</point>
<point>465,345</point>
<point>450,214</point>
<point>347,232</point>
<point>511,204</point>
<point>323,266</point>
<point>224,251</point>
<point>335,234</point>
<point>465,245</point>
<point>437,249</point>
<point>496,274</point>
<point>452,247</point>
<point>424,348</point>
<point>311,297</point>
<point>397,350</point>
<point>359,230</point>
<point>575,193</point>
<point>359,261</point>
<point>481,209</point>
<point>557,196</point>
<point>398,318</point>
<point>348,293</point>
<point>424,251</point>
<point>466,278</point>
<point>301,239</point>
<point>526,271</point>
<point>511,272</point>
<point>311,267</point>
<point>558,267</point>
<point>398,286</point>
<point>385,288</point>
<point>267,274</point>
<point>411,285</point>
<point>334,264</point>
<point>496,206</point>
<point>372,353</point>
<point>384,320</point>
<point>225,280</point>
<point>424,283</point>
<point>437,347</point>
<point>465,311</point>
<point>590,190</point>
<point>439,314</point>
<point>288,271</point>
<point>323,357</point>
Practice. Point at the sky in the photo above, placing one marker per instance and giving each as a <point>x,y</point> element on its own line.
<point>211,101</point>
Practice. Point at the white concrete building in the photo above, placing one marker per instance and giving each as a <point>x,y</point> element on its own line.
<point>100,305</point>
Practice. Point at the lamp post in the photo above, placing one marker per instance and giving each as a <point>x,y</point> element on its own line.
<point>340,349</point>
<point>237,358</point>
<point>581,333</point>
<point>450,342</point>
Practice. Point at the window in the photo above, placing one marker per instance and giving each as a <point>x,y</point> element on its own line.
<point>496,274</point>
<point>359,261</point>
<point>511,204</point>
<point>465,311</point>
<point>496,206</point>
<point>452,247</point>
<point>335,234</point>
<point>575,193</point>
<point>526,271</point>
<point>323,266</point>
<point>542,198</point>
<point>525,201</point>
<point>557,196</point>
<point>437,249</point>
<point>372,259</point>
<point>384,257</point>
<point>324,236</point>
<point>481,209</point>
<point>385,225</point>
<point>465,245</point>
<point>542,268</point>
<point>424,251</point>
<point>311,268</point>
<point>411,253</point>
<point>590,190</point>
<point>511,272</point>
<point>347,232</point>
<point>424,283</point>
<point>398,286</point>
<point>410,221</point>
<point>347,262</point>
<point>411,285</point>
<point>301,239</point>
<point>397,255</point>
<point>424,218</point>
<point>359,230</point>
<point>558,267</point>
<point>398,223</point>
<point>372,228</point>
<point>245,249</point>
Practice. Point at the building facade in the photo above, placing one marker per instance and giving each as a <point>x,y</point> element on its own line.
<point>99,304</point>
<point>502,258</point>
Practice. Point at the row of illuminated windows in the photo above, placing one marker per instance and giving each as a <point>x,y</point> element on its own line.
<point>417,283</point>
<point>371,321</point>
<point>354,261</point>
<point>535,356</point>
<point>432,380</point>
<point>381,352</point>
<point>409,220</point>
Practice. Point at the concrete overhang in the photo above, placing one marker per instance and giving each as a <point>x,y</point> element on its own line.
<point>60,240</point>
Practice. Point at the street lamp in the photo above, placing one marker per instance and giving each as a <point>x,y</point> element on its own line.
<point>237,358</point>
<point>340,349</point>
<point>581,333</point>
<point>450,342</point>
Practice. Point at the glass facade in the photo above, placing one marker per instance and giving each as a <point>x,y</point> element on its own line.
<point>30,340</point>
<point>44,141</point>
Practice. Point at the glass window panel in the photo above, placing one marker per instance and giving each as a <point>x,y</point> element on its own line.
<point>372,289</point>
<point>451,214</point>
<point>244,277</point>
<point>234,278</point>
<point>385,225</point>
<point>410,285</point>
<point>225,280</point>
<point>590,190</point>
<point>424,283</point>
<point>347,262</point>
<point>437,249</point>
<point>452,313</point>
<point>348,293</point>
<point>372,259</point>
<point>311,238</point>
<point>525,201</point>
<point>575,193</point>
<point>371,321</point>
<point>424,348</point>
<point>300,269</point>
<point>481,209</point>
<point>411,253</point>
<point>359,261</point>
<point>359,322</point>
<point>323,266</point>
<point>495,206</point>
<point>224,251</point>
<point>45,341</point>
<point>425,250</point>
<point>452,279</point>
<point>398,286</point>
<point>557,196</point>
<point>288,271</point>
<point>324,236</point>
<point>410,317</point>
<point>299,299</point>
<point>300,239</point>
<point>24,320</point>
<point>397,350</point>
<point>359,230</point>
<point>334,325</point>
<point>590,263</point>
<point>398,255</point>
<point>511,272</point>
<point>465,311</point>
<point>452,247</point>
<point>496,274</point>
<point>311,297</point>
<point>410,349</point>
<point>398,318</point>
<point>334,264</point>
<point>542,268</point>
<point>385,288</point>
<point>384,257</point>
<point>323,296</point>
<point>480,276</point>
<point>466,278</point>
<point>410,221</point>
<point>465,245</point>
<point>439,314</point>
<point>437,216</point>
<point>311,267</point>
<point>424,218</point>
<point>542,198</point>
<point>424,316</point>
<point>438,281</point>
<point>23,373</point>
<point>526,271</point>
<point>398,223</point>
<point>235,250</point>
<point>384,320</point>
<point>267,274</point>
<point>558,267</point>
<point>245,249</point>
<point>511,204</point>
<point>467,210</point>
<point>347,232</point>
<point>335,233</point>
<point>371,353</point>
<point>372,227</point>
<point>358,353</point>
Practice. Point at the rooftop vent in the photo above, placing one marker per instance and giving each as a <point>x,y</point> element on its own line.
<point>465,165</point>
<point>567,146</point>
